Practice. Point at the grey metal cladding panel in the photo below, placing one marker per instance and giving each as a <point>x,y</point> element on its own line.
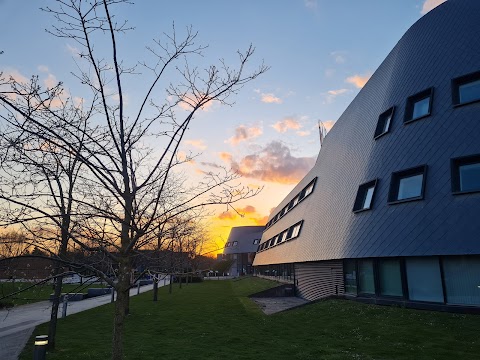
<point>442,45</point>
<point>245,236</point>
<point>317,280</point>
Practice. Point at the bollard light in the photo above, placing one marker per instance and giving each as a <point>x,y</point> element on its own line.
<point>40,350</point>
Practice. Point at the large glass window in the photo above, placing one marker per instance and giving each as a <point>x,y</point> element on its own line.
<point>466,174</point>
<point>407,184</point>
<point>419,105</point>
<point>390,277</point>
<point>366,280</point>
<point>350,271</point>
<point>462,279</point>
<point>466,89</point>
<point>424,279</point>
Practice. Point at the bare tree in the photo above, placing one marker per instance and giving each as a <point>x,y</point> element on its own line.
<point>126,157</point>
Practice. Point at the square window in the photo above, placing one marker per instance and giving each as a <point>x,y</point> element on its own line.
<point>235,243</point>
<point>408,185</point>
<point>364,198</point>
<point>384,122</point>
<point>256,241</point>
<point>419,105</point>
<point>466,174</point>
<point>466,89</point>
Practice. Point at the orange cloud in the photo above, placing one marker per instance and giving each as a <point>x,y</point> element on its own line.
<point>271,99</point>
<point>199,144</point>
<point>242,133</point>
<point>225,156</point>
<point>285,124</point>
<point>303,133</point>
<point>328,124</point>
<point>227,215</point>
<point>273,163</point>
<point>249,209</point>
<point>430,4</point>
<point>358,80</point>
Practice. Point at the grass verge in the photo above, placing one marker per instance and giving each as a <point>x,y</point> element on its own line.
<point>35,294</point>
<point>216,320</point>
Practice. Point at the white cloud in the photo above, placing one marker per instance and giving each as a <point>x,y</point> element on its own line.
<point>430,4</point>
<point>311,4</point>
<point>285,124</point>
<point>339,56</point>
<point>73,50</point>
<point>43,68</point>
<point>271,99</point>
<point>331,95</point>
<point>358,81</point>
<point>50,82</point>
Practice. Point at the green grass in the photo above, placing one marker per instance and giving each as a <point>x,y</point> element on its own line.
<point>34,294</point>
<point>215,320</point>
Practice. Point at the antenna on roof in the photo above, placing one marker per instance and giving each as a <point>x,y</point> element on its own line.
<point>323,132</point>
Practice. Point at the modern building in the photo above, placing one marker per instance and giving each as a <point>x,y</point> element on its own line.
<point>390,212</point>
<point>240,248</point>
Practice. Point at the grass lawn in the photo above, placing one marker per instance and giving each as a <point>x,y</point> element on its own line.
<point>215,320</point>
<point>37,293</point>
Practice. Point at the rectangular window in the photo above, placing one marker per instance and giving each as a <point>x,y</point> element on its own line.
<point>366,282</point>
<point>390,277</point>
<point>350,272</point>
<point>419,105</point>
<point>462,279</point>
<point>295,201</point>
<point>384,122</point>
<point>466,174</point>
<point>235,243</point>
<point>466,89</point>
<point>424,279</point>
<point>256,241</point>
<point>364,199</point>
<point>284,236</point>
<point>408,185</point>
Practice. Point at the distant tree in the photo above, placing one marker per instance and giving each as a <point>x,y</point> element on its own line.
<point>126,158</point>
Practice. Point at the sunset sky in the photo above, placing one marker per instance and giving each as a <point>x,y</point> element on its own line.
<point>321,53</point>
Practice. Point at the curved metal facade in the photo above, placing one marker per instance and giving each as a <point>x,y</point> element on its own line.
<point>441,46</point>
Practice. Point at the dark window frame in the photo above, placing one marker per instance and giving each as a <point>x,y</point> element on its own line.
<point>412,100</point>
<point>381,122</point>
<point>462,80</point>
<point>455,164</point>
<point>361,196</point>
<point>402,174</point>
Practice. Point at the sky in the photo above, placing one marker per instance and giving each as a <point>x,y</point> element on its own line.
<point>320,54</point>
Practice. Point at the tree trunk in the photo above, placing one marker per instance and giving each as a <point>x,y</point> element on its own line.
<point>52,326</point>
<point>121,309</point>
<point>155,289</point>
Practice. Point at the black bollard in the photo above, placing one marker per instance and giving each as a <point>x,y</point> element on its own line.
<point>40,350</point>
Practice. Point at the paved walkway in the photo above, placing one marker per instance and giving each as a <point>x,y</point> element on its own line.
<point>277,304</point>
<point>17,324</point>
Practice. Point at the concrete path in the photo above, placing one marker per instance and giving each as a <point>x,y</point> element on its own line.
<point>277,304</point>
<point>17,324</point>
